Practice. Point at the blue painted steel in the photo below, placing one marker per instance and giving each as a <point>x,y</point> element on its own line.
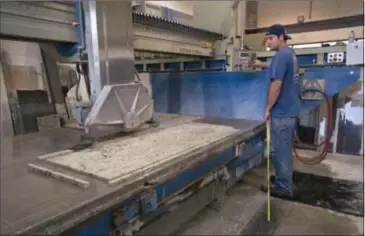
<point>70,49</point>
<point>192,65</point>
<point>131,209</point>
<point>307,59</point>
<point>224,94</point>
<point>302,59</point>
<point>264,58</point>
<point>101,226</point>
<point>212,64</point>
<point>336,79</point>
<point>154,67</point>
<point>239,95</point>
<point>248,164</point>
<point>139,67</point>
<point>188,176</point>
<point>172,66</point>
<point>149,203</point>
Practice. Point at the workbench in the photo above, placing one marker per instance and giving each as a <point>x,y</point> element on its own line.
<point>34,204</point>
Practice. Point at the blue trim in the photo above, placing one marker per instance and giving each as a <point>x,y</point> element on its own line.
<point>99,227</point>
<point>172,66</point>
<point>212,64</point>
<point>139,67</point>
<point>70,49</point>
<point>192,65</point>
<point>154,66</point>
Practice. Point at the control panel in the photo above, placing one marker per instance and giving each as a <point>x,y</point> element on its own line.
<point>335,57</point>
<point>241,60</point>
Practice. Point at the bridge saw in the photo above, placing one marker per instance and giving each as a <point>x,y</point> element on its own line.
<point>123,185</point>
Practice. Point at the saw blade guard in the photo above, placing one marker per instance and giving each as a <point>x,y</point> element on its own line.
<point>127,106</point>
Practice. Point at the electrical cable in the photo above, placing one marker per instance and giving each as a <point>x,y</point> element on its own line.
<point>82,69</point>
<point>78,71</point>
<point>319,158</point>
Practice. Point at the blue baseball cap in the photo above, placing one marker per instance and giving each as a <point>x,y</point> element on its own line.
<point>278,30</point>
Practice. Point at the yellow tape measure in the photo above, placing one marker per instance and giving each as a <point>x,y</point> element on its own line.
<point>268,169</point>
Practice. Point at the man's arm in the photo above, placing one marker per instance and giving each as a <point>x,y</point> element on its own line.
<point>274,92</point>
<point>265,64</point>
<point>260,64</point>
<point>277,73</point>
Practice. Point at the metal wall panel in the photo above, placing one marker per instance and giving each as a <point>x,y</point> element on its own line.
<point>240,95</point>
<point>38,20</point>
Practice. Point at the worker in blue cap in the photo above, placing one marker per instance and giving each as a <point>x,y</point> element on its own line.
<point>282,108</point>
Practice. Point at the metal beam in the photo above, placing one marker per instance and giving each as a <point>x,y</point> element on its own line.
<point>330,24</point>
<point>37,20</point>
<point>307,51</point>
<point>54,21</point>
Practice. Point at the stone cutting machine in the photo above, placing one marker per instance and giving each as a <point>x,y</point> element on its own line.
<point>119,99</point>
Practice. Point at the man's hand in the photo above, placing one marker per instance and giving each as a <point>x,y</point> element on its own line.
<point>257,64</point>
<point>267,115</point>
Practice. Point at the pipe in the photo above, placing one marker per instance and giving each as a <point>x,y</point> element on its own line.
<point>235,13</point>
<point>80,17</point>
<point>310,10</point>
<point>238,22</point>
<point>235,16</point>
<point>242,10</point>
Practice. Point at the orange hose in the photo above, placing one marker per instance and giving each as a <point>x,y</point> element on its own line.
<point>318,159</point>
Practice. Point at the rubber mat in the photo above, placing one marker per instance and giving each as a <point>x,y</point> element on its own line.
<point>338,195</point>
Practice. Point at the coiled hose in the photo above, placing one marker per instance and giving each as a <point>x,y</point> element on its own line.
<point>317,159</point>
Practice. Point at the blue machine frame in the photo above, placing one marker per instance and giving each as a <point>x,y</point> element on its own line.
<point>236,162</point>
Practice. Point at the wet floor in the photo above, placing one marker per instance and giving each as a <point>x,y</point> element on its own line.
<point>244,212</point>
<point>329,202</point>
<point>343,196</point>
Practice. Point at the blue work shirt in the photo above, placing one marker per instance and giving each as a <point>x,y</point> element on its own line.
<point>284,66</point>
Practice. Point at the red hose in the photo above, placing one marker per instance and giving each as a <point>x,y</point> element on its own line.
<point>318,159</point>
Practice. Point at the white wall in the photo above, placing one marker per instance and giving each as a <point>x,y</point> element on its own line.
<point>182,6</point>
<point>286,12</point>
<point>255,40</point>
<point>24,54</point>
<point>214,16</point>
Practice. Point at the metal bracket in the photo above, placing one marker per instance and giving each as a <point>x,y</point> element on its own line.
<point>239,149</point>
<point>149,202</point>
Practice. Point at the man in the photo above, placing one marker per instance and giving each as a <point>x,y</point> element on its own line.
<point>282,108</point>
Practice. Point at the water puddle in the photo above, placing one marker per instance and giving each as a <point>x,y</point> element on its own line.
<point>338,195</point>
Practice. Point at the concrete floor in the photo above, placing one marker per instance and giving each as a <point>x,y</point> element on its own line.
<point>240,214</point>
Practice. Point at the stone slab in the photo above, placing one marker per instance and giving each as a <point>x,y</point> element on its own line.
<point>58,175</point>
<point>121,159</point>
